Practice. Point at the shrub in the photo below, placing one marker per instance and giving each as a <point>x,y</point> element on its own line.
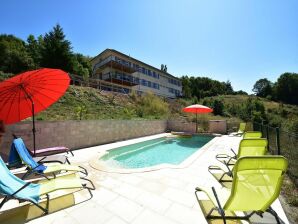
<point>151,105</point>
<point>133,95</point>
<point>218,107</point>
<point>80,111</point>
<point>293,127</point>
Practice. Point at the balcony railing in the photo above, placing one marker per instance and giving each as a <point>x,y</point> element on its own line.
<point>112,61</point>
<point>120,78</point>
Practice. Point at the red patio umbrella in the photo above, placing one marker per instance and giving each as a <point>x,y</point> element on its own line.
<point>26,94</point>
<point>197,109</point>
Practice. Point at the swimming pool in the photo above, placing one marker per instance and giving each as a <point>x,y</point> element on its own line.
<point>154,152</point>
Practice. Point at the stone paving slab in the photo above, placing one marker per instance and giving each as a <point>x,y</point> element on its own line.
<point>162,196</point>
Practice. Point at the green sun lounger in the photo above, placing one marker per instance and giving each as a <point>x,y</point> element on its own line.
<point>12,187</point>
<point>252,134</point>
<point>38,168</point>
<point>247,147</point>
<point>256,185</point>
<point>247,134</point>
<point>241,130</point>
<point>245,142</point>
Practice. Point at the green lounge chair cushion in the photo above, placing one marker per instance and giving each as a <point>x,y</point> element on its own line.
<point>256,184</point>
<point>62,182</point>
<point>252,147</point>
<point>242,127</point>
<point>252,134</point>
<point>58,167</point>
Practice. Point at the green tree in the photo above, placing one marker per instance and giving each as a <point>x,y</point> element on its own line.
<point>240,92</point>
<point>186,89</point>
<point>228,88</point>
<point>203,87</point>
<point>34,50</point>
<point>81,66</point>
<point>252,109</point>
<point>14,57</point>
<point>263,87</point>
<point>287,88</point>
<point>56,51</point>
<point>218,107</point>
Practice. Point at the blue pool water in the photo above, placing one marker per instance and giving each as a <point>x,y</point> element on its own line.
<point>154,152</point>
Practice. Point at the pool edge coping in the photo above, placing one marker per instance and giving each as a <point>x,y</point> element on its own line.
<point>95,164</point>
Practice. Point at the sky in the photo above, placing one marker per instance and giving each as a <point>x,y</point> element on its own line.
<point>237,40</point>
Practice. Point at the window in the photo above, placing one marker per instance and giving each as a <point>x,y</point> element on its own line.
<point>106,76</point>
<point>137,80</point>
<point>106,88</point>
<point>149,84</point>
<point>119,76</point>
<point>125,90</point>
<point>144,82</point>
<point>127,78</point>
<point>155,85</point>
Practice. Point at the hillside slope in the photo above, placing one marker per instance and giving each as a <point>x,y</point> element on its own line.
<point>273,113</point>
<point>88,103</point>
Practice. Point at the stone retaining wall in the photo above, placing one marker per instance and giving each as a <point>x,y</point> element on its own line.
<point>174,125</point>
<point>80,134</point>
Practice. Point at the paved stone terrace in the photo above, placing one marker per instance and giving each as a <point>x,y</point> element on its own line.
<point>163,196</point>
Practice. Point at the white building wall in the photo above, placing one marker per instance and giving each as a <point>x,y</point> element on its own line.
<point>162,81</point>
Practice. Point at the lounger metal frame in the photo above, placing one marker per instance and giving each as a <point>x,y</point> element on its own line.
<point>45,210</point>
<point>224,217</point>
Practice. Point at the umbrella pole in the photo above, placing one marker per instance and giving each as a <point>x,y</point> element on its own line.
<point>33,118</point>
<point>33,129</point>
<point>196,122</point>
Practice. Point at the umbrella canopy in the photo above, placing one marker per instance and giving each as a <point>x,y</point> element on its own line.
<point>197,109</point>
<point>28,93</point>
<point>43,87</point>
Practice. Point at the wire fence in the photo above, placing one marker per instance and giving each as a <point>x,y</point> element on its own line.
<point>284,143</point>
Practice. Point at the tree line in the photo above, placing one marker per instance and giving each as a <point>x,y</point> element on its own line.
<point>201,87</point>
<point>285,89</point>
<point>52,50</point>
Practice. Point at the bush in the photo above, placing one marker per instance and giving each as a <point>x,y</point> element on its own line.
<point>133,95</point>
<point>294,125</point>
<point>151,105</point>
<point>218,107</point>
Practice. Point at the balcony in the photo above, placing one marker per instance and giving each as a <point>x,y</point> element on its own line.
<point>117,64</point>
<point>120,78</point>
